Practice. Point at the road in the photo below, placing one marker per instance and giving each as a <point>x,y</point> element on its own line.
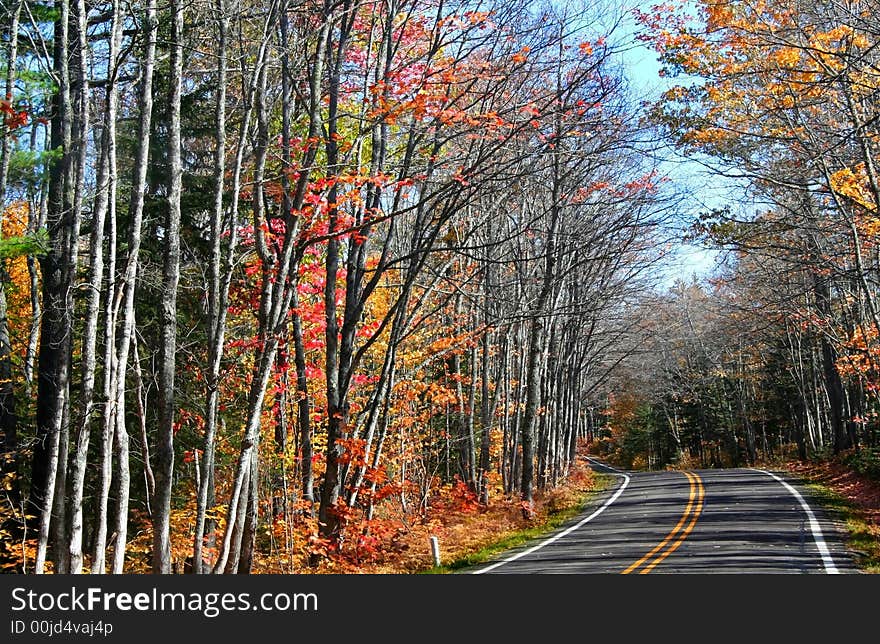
<point>704,521</point>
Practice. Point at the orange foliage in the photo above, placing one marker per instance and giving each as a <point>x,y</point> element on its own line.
<point>14,223</point>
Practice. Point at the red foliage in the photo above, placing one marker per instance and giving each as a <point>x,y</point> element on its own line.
<point>13,118</point>
<point>460,499</point>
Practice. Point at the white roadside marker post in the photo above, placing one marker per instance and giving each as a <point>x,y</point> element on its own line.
<point>435,551</point>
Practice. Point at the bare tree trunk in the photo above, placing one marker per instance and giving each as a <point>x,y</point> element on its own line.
<point>106,195</point>
<point>36,221</point>
<point>230,565</point>
<point>335,358</point>
<point>79,145</point>
<point>54,354</point>
<point>125,292</point>
<point>220,277</point>
<point>303,406</point>
<point>533,372</point>
<point>833,384</point>
<point>303,403</point>
<point>376,421</point>
<point>251,519</point>
<point>470,439</point>
<point>275,296</point>
<point>282,428</point>
<point>170,277</point>
<point>140,401</point>
<point>485,421</point>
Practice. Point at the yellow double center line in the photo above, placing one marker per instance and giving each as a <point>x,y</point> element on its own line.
<point>679,533</point>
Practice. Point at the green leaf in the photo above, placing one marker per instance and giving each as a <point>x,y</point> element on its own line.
<point>33,244</point>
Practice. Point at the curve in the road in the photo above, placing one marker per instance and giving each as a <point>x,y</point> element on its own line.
<point>816,530</point>
<point>712,521</point>
<point>565,532</point>
<point>692,510</point>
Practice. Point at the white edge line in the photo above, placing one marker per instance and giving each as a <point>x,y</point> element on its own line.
<point>564,532</point>
<point>830,568</point>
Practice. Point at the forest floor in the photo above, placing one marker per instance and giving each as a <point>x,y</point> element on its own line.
<point>468,532</point>
<point>853,498</point>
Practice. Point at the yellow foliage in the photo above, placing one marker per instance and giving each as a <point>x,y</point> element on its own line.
<point>869,226</point>
<point>14,223</point>
<point>852,183</point>
<point>786,57</point>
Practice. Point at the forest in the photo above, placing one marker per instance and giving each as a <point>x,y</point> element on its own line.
<point>281,281</point>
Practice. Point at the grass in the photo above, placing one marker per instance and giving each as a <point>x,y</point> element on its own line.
<point>555,518</point>
<point>847,500</point>
<point>862,533</point>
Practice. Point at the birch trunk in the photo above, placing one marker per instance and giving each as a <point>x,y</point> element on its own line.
<point>106,195</point>
<point>219,280</point>
<point>125,300</point>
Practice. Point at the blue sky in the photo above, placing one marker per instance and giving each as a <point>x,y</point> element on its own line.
<point>704,190</point>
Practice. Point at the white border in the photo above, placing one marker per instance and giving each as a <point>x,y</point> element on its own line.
<point>830,568</point>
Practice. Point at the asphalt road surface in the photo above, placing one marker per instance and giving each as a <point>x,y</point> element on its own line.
<point>706,521</point>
